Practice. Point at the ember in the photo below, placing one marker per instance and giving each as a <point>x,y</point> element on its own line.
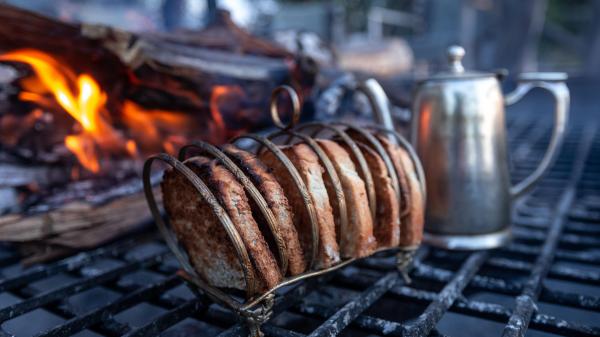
<point>93,137</point>
<point>82,105</point>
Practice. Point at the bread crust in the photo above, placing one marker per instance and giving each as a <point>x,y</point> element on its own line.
<point>416,215</point>
<point>202,237</point>
<point>412,221</point>
<point>358,239</point>
<point>211,252</point>
<point>311,171</point>
<point>275,197</point>
<point>387,223</point>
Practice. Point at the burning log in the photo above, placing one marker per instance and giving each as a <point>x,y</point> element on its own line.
<point>145,75</point>
<point>63,226</point>
<point>76,226</point>
<point>80,105</point>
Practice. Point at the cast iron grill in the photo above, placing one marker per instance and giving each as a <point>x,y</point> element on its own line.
<point>544,283</point>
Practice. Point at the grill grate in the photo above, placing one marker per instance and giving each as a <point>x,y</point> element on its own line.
<point>544,283</point>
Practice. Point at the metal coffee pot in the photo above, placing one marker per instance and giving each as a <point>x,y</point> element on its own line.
<point>458,131</point>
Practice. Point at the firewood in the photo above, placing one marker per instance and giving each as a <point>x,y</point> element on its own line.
<point>76,218</point>
<point>163,72</point>
<point>18,175</point>
<point>177,74</point>
<point>181,68</point>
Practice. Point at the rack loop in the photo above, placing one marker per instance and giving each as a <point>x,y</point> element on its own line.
<point>296,110</point>
<point>355,152</point>
<point>329,170</point>
<point>300,185</point>
<point>402,142</point>
<point>220,214</point>
<point>257,307</point>
<point>249,187</point>
<point>404,259</point>
<point>376,145</point>
<point>255,318</point>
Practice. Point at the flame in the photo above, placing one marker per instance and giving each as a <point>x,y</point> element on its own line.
<point>79,95</point>
<point>222,96</point>
<point>84,149</point>
<point>217,93</point>
<point>94,138</point>
<point>147,126</point>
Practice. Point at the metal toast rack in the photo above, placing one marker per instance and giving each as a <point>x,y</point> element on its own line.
<point>256,308</point>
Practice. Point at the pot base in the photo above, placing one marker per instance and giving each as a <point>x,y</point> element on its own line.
<point>469,242</point>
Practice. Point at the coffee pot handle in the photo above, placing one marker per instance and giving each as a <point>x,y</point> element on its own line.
<point>555,84</point>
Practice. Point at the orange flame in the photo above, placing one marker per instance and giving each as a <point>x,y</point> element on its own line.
<point>80,96</point>
<point>94,139</point>
<point>147,126</point>
<point>231,95</point>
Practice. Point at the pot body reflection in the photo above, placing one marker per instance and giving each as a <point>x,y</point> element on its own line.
<point>459,134</point>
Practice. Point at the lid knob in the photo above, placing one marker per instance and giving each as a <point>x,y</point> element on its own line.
<point>455,55</point>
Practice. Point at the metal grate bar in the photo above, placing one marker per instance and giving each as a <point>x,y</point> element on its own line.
<point>354,308</point>
<point>589,256</point>
<point>62,292</point>
<point>483,283</point>
<point>579,301</point>
<point>495,312</point>
<point>111,327</point>
<point>510,288</point>
<point>282,303</point>
<point>316,299</point>
<point>566,239</point>
<point>578,228</point>
<point>365,322</point>
<point>434,312</point>
<point>485,310</point>
<point>96,316</point>
<point>269,330</point>
<point>170,317</point>
<point>68,264</point>
<point>108,326</point>
<point>559,326</point>
<point>274,331</point>
<point>559,272</point>
<point>525,303</point>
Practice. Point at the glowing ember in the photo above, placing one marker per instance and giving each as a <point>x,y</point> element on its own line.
<point>147,126</point>
<point>80,96</point>
<point>225,98</point>
<point>56,87</point>
<point>72,110</point>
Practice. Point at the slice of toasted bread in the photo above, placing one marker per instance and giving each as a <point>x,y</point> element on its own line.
<point>387,223</point>
<point>210,249</point>
<point>273,193</point>
<point>412,219</point>
<point>199,231</point>
<point>311,171</point>
<point>358,239</point>
<point>416,215</point>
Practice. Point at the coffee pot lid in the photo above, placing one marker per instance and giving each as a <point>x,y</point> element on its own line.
<point>455,69</point>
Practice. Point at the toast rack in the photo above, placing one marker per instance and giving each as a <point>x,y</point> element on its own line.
<point>255,307</point>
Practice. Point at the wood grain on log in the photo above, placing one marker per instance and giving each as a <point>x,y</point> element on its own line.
<point>159,72</point>
<point>77,224</point>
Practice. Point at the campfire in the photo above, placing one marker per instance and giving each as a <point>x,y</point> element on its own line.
<point>83,105</point>
<point>77,109</point>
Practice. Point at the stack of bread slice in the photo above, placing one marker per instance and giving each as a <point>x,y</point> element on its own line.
<point>346,227</point>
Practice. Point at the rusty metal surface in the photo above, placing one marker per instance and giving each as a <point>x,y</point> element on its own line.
<point>544,283</point>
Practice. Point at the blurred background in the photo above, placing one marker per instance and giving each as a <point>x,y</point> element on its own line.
<point>166,72</point>
<point>402,36</point>
<point>70,182</point>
